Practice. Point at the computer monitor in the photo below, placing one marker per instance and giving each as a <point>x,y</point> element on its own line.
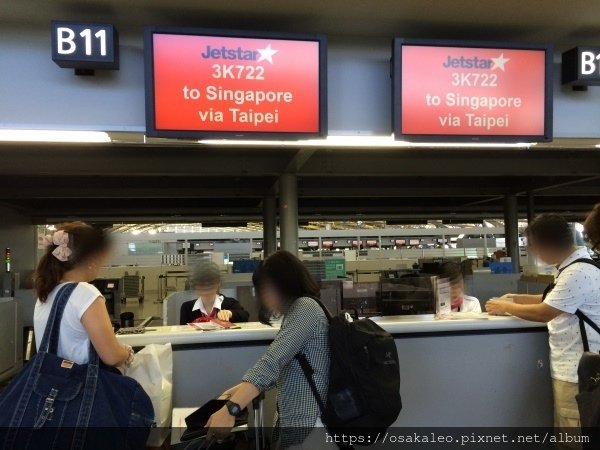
<point>410,294</point>
<point>361,297</point>
<point>431,268</point>
<point>110,290</point>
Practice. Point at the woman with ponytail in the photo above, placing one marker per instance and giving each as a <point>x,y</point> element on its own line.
<point>75,253</point>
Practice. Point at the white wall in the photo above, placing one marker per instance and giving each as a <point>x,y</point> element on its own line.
<point>35,92</point>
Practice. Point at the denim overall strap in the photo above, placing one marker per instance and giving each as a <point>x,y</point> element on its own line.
<point>87,402</point>
<point>52,326</point>
<point>49,342</point>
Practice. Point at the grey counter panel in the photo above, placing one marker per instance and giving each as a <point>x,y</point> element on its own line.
<point>478,380</point>
<point>482,379</point>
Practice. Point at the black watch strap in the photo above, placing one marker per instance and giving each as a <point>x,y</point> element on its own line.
<point>234,409</point>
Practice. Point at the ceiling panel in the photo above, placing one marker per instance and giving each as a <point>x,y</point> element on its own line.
<point>558,21</point>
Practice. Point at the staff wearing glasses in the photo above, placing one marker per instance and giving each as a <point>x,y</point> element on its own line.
<point>210,304</point>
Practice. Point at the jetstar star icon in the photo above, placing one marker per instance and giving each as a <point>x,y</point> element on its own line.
<point>266,54</point>
<point>499,62</point>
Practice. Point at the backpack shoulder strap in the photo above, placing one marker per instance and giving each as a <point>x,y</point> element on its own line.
<point>581,261</point>
<point>583,319</point>
<point>308,373</point>
<point>324,308</point>
<point>307,369</point>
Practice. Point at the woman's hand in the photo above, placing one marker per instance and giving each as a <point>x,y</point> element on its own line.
<point>220,424</point>
<point>497,307</point>
<point>224,315</point>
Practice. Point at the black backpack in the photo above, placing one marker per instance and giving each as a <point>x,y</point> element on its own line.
<point>364,379</point>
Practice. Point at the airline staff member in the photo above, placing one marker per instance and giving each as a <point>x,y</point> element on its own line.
<point>206,280</point>
<point>460,301</point>
<point>551,239</point>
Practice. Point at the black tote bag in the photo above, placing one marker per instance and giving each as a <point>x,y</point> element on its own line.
<point>56,403</point>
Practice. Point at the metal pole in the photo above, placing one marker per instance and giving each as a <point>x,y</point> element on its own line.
<point>288,212</point>
<point>511,230</point>
<point>530,216</point>
<point>530,207</point>
<point>269,225</point>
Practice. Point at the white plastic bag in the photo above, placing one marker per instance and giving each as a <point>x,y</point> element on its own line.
<point>152,367</point>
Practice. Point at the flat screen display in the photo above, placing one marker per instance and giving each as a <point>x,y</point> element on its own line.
<point>472,91</point>
<point>209,83</point>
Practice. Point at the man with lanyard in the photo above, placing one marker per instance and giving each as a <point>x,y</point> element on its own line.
<point>551,240</point>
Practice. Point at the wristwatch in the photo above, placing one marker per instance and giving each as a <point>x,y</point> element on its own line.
<point>234,409</point>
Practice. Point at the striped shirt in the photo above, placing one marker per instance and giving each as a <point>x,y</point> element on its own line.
<point>305,329</point>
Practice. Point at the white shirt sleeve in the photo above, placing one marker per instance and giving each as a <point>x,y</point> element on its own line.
<point>84,295</point>
<point>572,289</point>
<point>471,304</point>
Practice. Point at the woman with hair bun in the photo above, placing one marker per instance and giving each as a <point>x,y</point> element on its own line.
<point>591,228</point>
<point>75,253</point>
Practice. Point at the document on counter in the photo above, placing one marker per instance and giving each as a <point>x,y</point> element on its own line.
<point>468,315</point>
<point>214,324</point>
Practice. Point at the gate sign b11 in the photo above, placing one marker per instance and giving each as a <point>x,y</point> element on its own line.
<point>581,66</point>
<point>85,45</point>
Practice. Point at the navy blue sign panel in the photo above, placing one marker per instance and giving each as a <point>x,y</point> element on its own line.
<point>581,66</point>
<point>88,46</point>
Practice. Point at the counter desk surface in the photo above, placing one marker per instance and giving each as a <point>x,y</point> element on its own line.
<point>447,367</point>
<point>396,325</point>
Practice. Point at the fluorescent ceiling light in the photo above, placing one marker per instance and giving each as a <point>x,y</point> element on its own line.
<point>357,142</point>
<point>53,136</point>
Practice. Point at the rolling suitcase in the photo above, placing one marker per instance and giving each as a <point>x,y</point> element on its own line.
<point>241,439</point>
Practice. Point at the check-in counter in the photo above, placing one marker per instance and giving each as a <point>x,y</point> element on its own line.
<point>475,371</point>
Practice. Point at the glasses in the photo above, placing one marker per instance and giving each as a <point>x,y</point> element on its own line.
<point>595,245</point>
<point>207,289</point>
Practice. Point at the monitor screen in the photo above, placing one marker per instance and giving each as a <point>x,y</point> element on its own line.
<point>210,83</point>
<point>400,241</point>
<point>414,242</point>
<point>472,91</point>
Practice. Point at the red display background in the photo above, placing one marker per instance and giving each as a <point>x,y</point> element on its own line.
<point>423,72</point>
<point>177,63</point>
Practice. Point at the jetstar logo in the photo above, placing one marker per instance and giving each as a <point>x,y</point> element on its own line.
<point>239,53</point>
<point>476,63</point>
